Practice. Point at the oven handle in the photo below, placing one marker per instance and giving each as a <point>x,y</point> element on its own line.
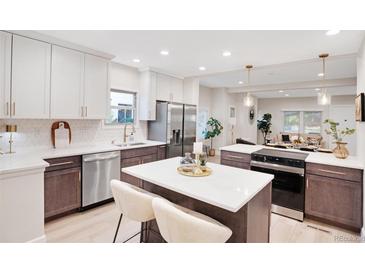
<point>289,169</point>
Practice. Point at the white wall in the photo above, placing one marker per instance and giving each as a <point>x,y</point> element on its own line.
<point>275,106</point>
<point>361,125</point>
<point>218,102</point>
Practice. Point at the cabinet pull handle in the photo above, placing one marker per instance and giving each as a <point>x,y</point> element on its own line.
<point>233,157</point>
<point>13,108</point>
<point>82,111</point>
<point>7,108</point>
<point>333,172</point>
<point>86,111</point>
<point>307,183</point>
<point>62,164</point>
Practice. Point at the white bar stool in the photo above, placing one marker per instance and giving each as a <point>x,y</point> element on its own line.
<point>181,225</point>
<point>134,203</point>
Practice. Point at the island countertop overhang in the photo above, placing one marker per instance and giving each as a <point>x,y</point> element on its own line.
<point>227,187</point>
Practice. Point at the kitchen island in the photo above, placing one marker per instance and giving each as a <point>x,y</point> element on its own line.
<point>239,199</point>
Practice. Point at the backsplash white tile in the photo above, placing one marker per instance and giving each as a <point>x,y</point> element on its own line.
<point>37,133</point>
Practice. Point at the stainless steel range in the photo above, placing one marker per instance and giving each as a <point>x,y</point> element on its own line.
<point>288,184</point>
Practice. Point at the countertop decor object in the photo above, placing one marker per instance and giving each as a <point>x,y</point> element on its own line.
<point>11,129</point>
<point>187,160</point>
<point>58,125</point>
<point>194,171</point>
<point>340,151</point>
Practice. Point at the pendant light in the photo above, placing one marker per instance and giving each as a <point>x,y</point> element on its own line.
<point>248,100</point>
<point>323,97</point>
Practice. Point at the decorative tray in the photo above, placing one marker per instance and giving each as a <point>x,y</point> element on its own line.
<point>194,171</point>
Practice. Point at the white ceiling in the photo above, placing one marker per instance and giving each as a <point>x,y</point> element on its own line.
<point>294,93</point>
<point>192,49</point>
<point>336,68</point>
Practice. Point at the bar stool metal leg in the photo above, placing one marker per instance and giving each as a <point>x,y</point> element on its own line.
<point>116,232</point>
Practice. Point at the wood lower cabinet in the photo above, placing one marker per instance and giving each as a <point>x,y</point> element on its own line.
<point>138,156</point>
<point>161,153</point>
<point>332,198</point>
<point>62,191</point>
<point>62,186</point>
<point>236,159</point>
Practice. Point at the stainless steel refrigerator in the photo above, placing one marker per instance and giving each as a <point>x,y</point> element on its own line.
<point>175,125</point>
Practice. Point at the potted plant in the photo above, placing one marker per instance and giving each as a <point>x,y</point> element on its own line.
<point>214,129</point>
<point>264,125</point>
<point>340,150</point>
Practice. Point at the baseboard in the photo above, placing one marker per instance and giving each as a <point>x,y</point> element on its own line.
<point>363,235</point>
<point>41,239</point>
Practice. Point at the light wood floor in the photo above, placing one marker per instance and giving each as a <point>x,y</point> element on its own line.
<point>98,226</point>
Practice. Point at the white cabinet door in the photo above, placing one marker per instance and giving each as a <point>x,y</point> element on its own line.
<point>163,87</point>
<point>30,78</point>
<point>147,96</point>
<point>176,90</point>
<point>96,96</point>
<point>67,83</point>
<point>5,74</point>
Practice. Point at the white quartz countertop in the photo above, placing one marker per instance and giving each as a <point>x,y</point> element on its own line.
<point>227,187</point>
<point>34,158</point>
<point>313,157</point>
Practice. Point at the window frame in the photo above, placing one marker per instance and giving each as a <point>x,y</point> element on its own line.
<point>134,109</point>
<point>301,121</point>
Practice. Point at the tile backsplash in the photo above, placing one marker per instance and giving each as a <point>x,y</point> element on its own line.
<point>34,133</point>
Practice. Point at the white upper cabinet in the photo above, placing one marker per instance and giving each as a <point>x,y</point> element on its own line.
<point>5,74</point>
<point>176,90</point>
<point>31,65</point>
<point>169,88</point>
<point>67,83</point>
<point>147,95</point>
<point>163,87</point>
<point>96,87</point>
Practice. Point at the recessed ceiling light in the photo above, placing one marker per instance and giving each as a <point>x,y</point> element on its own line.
<point>202,68</point>
<point>226,53</point>
<point>240,82</point>
<point>332,32</point>
<point>317,89</point>
<point>136,60</point>
<point>321,74</point>
<point>281,91</point>
<point>164,52</point>
<point>286,95</point>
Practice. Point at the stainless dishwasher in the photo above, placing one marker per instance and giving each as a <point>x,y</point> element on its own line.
<point>97,172</point>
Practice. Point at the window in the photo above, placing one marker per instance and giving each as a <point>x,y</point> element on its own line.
<point>308,122</point>
<point>312,122</point>
<point>291,121</point>
<point>122,107</point>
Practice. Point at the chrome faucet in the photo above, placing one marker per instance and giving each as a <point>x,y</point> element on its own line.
<point>125,132</point>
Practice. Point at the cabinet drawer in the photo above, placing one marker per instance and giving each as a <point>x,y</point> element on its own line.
<point>136,152</point>
<point>349,174</point>
<point>243,165</point>
<point>235,156</point>
<point>63,163</point>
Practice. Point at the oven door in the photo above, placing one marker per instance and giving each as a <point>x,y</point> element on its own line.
<point>287,190</point>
